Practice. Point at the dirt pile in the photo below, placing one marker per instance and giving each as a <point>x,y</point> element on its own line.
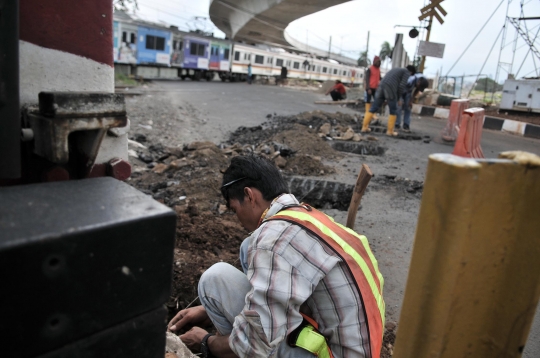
<point>188,180</point>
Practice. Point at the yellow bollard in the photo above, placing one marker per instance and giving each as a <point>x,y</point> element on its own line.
<point>474,279</point>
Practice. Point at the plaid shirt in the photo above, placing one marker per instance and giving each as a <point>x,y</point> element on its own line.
<point>291,271</point>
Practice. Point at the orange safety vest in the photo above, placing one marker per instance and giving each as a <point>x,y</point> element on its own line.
<point>354,250</point>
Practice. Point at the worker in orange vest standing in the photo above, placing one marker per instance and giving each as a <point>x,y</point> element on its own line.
<point>372,80</point>
<point>310,286</point>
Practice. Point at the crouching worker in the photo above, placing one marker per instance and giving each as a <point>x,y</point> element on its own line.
<point>310,287</point>
<point>338,92</point>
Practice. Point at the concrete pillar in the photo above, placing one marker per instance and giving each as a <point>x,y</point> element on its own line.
<point>474,280</point>
<point>397,54</point>
<point>65,45</point>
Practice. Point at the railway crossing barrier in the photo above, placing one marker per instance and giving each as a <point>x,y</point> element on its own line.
<point>450,132</point>
<point>470,134</point>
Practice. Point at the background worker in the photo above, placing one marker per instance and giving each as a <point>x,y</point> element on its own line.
<point>338,91</point>
<point>250,74</point>
<point>391,89</point>
<point>372,80</point>
<point>415,84</point>
<point>295,265</point>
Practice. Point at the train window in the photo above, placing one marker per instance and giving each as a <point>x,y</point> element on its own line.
<point>335,71</point>
<point>196,49</point>
<point>324,69</point>
<point>259,59</point>
<point>150,42</point>
<point>269,60</point>
<point>124,36</point>
<point>155,42</point>
<point>180,47</point>
<point>174,44</point>
<point>201,50</point>
<point>133,38</point>
<point>226,53</point>
<point>296,65</point>
<point>236,56</point>
<point>279,62</point>
<point>247,57</point>
<point>344,73</point>
<point>318,68</point>
<point>289,63</point>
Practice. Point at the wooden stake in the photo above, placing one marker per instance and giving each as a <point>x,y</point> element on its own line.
<point>362,182</point>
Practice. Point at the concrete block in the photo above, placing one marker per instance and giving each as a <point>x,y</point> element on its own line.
<point>441,113</point>
<point>416,108</point>
<point>514,127</point>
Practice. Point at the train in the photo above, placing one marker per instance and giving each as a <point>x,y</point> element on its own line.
<point>150,50</point>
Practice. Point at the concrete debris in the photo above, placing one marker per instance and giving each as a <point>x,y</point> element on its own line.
<point>160,168</point>
<point>280,161</point>
<point>348,135</point>
<point>325,129</point>
<point>357,137</point>
<point>200,145</point>
<point>222,209</point>
<point>136,144</point>
<point>174,347</point>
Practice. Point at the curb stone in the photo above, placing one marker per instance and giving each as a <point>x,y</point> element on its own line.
<point>490,122</point>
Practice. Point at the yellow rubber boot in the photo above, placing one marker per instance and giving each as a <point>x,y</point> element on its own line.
<point>391,123</point>
<point>365,124</point>
<point>368,106</point>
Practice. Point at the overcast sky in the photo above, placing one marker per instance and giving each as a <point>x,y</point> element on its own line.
<point>349,23</point>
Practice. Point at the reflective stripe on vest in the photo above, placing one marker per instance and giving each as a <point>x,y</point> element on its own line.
<point>354,250</point>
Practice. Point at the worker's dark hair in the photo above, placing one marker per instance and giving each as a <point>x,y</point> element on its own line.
<point>411,69</point>
<point>338,81</point>
<point>252,171</point>
<point>423,83</point>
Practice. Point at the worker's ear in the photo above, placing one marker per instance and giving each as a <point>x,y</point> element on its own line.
<point>252,195</point>
<point>249,195</point>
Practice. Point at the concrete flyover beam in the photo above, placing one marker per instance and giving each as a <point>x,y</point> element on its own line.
<point>262,21</point>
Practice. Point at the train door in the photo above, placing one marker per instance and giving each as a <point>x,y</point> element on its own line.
<point>214,57</point>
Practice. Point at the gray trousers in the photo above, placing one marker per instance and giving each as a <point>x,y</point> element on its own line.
<point>222,292</point>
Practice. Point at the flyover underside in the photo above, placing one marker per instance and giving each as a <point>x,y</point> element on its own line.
<point>262,21</point>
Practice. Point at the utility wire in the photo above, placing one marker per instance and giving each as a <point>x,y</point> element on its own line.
<point>460,56</point>
<point>487,57</point>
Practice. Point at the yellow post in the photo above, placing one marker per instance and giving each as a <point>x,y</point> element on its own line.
<point>474,280</point>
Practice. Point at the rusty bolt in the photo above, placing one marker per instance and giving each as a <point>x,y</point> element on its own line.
<point>119,169</point>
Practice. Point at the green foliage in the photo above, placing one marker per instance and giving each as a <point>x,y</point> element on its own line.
<point>386,51</point>
<point>123,80</point>
<point>487,85</point>
<point>364,61</point>
<point>123,4</point>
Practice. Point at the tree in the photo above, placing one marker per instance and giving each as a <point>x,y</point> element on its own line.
<point>123,4</point>
<point>386,51</point>
<point>487,85</point>
<point>363,61</point>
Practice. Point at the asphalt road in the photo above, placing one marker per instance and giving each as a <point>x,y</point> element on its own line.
<point>388,219</point>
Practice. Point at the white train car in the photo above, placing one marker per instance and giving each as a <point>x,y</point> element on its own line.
<point>268,63</point>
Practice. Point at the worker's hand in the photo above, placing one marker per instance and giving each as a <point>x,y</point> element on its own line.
<point>188,318</point>
<point>368,91</point>
<point>400,103</point>
<point>193,338</point>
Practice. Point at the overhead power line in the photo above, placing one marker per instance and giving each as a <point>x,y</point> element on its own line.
<point>469,45</point>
